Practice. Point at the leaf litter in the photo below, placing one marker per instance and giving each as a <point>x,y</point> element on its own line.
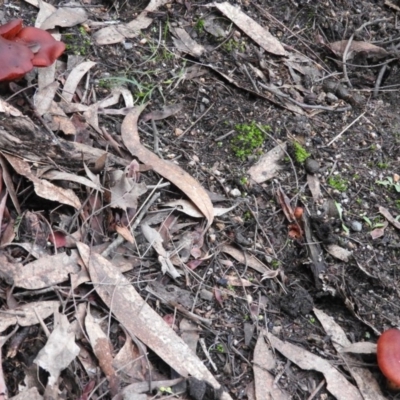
<point>101,203</point>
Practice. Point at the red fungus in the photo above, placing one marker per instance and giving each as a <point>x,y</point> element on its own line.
<point>49,48</point>
<point>21,49</point>
<point>388,354</point>
<point>16,60</point>
<point>10,29</point>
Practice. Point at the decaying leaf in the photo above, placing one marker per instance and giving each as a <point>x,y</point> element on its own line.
<point>255,31</point>
<point>103,351</point>
<point>44,188</point>
<point>155,240</point>
<point>27,315</point>
<point>339,252</point>
<point>268,165</point>
<point>336,383</point>
<point>172,172</point>
<point>356,47</point>
<point>366,382</point>
<point>59,351</point>
<point>139,319</point>
<point>263,362</point>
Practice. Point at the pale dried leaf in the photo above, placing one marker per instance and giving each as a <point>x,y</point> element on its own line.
<point>47,271</point>
<point>356,47</point>
<point>125,191</point>
<point>74,78</point>
<point>251,28</point>
<point>60,349</point>
<point>70,14</point>
<point>360,348</point>
<point>166,112</point>
<point>339,252</point>
<point>155,240</point>
<point>336,383</point>
<point>8,109</point>
<point>58,121</point>
<point>127,362</point>
<point>44,188</point>
<point>264,381</point>
<point>247,259</point>
<point>366,382</point>
<point>44,97</point>
<point>141,320</point>
<point>66,176</point>
<point>27,314</point>
<point>314,186</point>
<point>125,233</point>
<point>118,33</point>
<point>31,394</point>
<point>170,171</point>
<point>269,164</point>
<point>185,44</point>
<point>385,212</point>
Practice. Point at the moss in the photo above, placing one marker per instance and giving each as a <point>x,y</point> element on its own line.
<point>300,153</point>
<point>338,183</point>
<point>249,139</point>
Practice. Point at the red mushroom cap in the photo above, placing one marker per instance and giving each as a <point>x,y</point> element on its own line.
<point>10,29</point>
<point>49,48</point>
<point>16,60</point>
<point>388,354</point>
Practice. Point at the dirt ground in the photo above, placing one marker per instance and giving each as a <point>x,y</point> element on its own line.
<point>339,257</point>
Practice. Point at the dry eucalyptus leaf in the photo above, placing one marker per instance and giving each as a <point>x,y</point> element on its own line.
<point>170,171</point>
<point>370,50</point>
<point>60,349</point>
<point>139,319</point>
<point>26,315</point>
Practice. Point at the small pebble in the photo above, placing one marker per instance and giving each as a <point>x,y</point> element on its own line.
<point>311,166</point>
<point>235,193</point>
<point>356,226</point>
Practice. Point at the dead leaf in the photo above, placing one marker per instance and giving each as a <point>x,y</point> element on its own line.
<point>118,33</point>
<point>263,362</point>
<point>170,171</point>
<point>185,44</point>
<point>336,383</point>
<point>366,382</point>
<point>268,166</point>
<point>314,186</point>
<point>360,348</point>
<point>356,47</point>
<point>166,112</point>
<point>141,320</point>
<point>339,252</point>
<point>66,176</point>
<point>385,212</point>
<point>74,78</point>
<point>103,351</point>
<point>247,259</point>
<point>125,191</point>
<point>44,97</point>
<point>284,202</point>
<point>251,28</point>
<point>59,351</point>
<point>70,14</point>
<point>155,240</point>
<point>44,188</point>
<point>26,315</point>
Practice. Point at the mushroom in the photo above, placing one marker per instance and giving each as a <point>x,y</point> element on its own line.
<point>21,49</point>
<point>48,48</point>
<point>388,354</point>
<point>10,29</point>
<point>16,60</point>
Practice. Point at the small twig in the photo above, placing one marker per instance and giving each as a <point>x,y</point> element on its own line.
<point>156,139</point>
<point>119,240</point>
<point>345,129</point>
<point>379,80</point>
<point>251,79</point>
<point>195,122</point>
<point>203,346</point>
